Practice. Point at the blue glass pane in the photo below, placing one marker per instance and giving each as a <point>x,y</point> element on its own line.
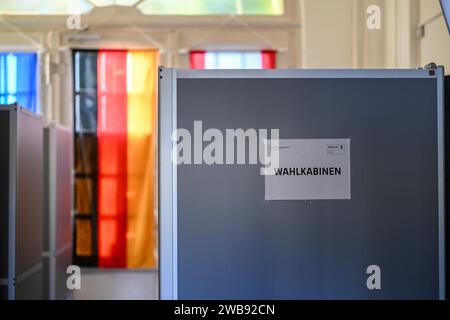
<point>18,79</point>
<point>86,113</point>
<point>85,69</point>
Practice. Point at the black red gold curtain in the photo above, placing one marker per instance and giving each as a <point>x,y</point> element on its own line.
<point>115,97</point>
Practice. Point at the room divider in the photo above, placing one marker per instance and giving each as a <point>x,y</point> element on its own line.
<point>373,229</point>
<point>21,203</point>
<point>58,227</point>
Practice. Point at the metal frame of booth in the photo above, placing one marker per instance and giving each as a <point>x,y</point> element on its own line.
<point>168,211</point>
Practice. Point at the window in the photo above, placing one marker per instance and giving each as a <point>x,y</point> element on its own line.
<point>218,7</point>
<point>86,146</point>
<point>18,79</point>
<point>85,91</point>
<point>265,59</point>
<point>44,7</point>
<point>148,7</point>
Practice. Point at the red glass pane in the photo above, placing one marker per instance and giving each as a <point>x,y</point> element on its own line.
<point>269,59</point>
<point>197,59</point>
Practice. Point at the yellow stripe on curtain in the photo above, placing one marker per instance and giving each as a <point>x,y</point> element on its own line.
<point>141,88</point>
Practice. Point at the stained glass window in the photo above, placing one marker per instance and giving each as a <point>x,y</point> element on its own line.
<point>30,7</point>
<point>219,7</point>
<point>148,7</point>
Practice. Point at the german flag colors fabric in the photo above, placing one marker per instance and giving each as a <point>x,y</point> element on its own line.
<point>126,94</point>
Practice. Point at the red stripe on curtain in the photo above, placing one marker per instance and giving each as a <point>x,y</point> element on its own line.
<point>112,158</point>
<point>197,59</point>
<point>269,59</point>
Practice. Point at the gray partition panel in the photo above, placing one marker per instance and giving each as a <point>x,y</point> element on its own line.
<point>64,187</point>
<point>31,289</point>
<point>30,196</point>
<point>447,179</point>
<point>23,203</point>
<point>47,200</point>
<point>3,292</point>
<point>230,243</point>
<point>4,194</point>
<point>58,196</point>
<point>29,223</point>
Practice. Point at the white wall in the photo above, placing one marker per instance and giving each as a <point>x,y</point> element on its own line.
<point>435,45</point>
<point>401,22</point>
<point>334,35</point>
<point>327,37</point>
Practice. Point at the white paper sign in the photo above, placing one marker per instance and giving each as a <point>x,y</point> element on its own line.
<point>310,169</point>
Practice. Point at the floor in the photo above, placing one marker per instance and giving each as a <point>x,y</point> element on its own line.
<point>117,284</point>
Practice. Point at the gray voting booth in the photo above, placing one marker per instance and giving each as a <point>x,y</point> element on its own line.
<point>57,255</point>
<point>229,232</point>
<point>21,203</point>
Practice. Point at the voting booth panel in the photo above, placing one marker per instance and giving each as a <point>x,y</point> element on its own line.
<point>358,192</point>
<point>447,181</point>
<point>57,254</point>
<point>21,203</point>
